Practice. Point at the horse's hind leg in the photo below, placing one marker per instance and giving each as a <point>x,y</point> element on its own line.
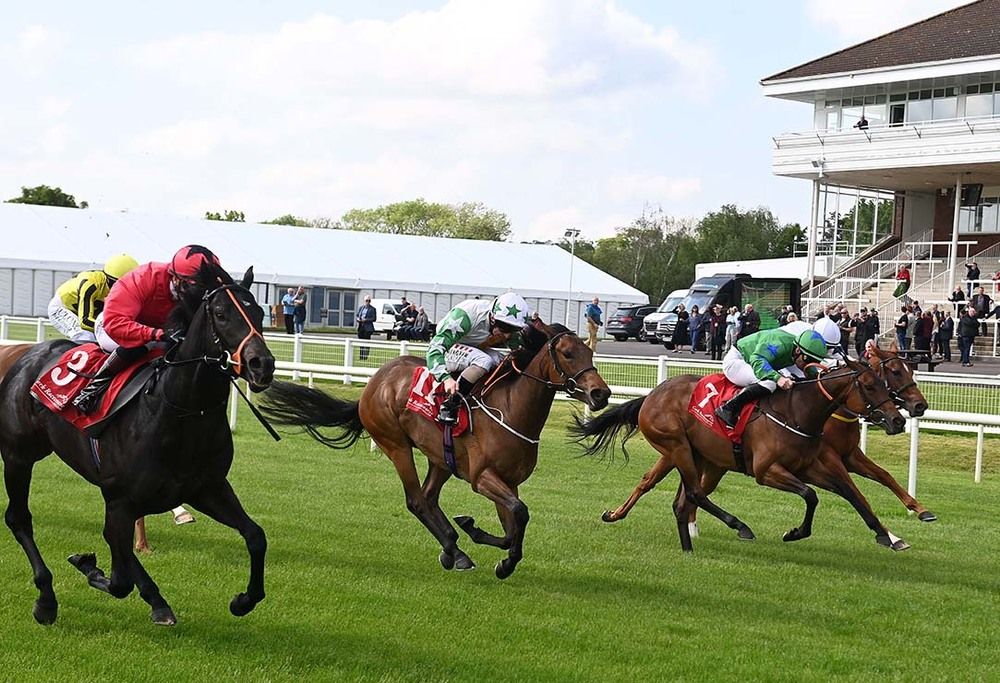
<point>650,479</point>
<point>221,504</point>
<point>489,484</point>
<point>17,480</point>
<point>711,475</point>
<point>435,479</point>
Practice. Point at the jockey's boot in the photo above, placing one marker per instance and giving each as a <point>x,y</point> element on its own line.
<point>90,396</point>
<point>448,414</point>
<point>729,412</point>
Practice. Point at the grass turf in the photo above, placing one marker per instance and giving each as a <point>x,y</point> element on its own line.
<point>355,591</point>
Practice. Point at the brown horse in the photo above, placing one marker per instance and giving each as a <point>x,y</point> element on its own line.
<point>840,447</point>
<point>9,353</point>
<point>781,444</point>
<point>495,456</point>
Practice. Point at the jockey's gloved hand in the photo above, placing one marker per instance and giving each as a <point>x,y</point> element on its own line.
<point>171,337</point>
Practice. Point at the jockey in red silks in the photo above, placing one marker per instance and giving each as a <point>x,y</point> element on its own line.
<point>135,314</point>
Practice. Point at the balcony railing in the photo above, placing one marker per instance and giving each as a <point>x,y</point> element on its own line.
<point>891,131</point>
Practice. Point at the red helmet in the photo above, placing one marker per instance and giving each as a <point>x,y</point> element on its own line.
<point>189,259</point>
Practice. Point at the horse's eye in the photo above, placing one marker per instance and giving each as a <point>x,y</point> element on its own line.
<point>568,355</point>
<point>219,315</point>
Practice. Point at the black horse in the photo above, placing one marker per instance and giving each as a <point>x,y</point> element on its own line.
<point>169,446</point>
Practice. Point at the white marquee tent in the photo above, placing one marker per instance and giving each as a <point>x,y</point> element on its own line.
<point>43,246</point>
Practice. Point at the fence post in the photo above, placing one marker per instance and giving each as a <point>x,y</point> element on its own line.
<point>233,402</point>
<point>661,369</point>
<point>40,330</point>
<point>348,359</point>
<point>296,355</point>
<point>911,482</point>
<point>3,327</point>
<point>864,437</point>
<point>404,348</point>
<point>979,454</point>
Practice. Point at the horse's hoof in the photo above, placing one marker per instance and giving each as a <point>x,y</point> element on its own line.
<point>164,616</point>
<point>241,605</point>
<point>927,516</point>
<point>745,534</point>
<point>608,517</point>
<point>794,535</point>
<point>85,562</point>
<point>504,568</point>
<point>45,612</point>
<point>447,560</point>
<point>900,544</point>
<point>463,563</point>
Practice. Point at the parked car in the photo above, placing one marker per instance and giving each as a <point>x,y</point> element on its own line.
<point>385,316</point>
<point>669,304</point>
<point>627,322</point>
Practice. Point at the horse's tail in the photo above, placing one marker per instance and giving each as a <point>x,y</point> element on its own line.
<point>605,427</point>
<point>287,403</point>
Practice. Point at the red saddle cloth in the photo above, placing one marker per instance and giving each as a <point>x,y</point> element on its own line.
<point>59,385</point>
<point>710,393</point>
<point>426,397</point>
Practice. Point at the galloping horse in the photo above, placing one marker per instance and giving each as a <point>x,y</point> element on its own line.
<point>777,449</point>
<point>495,456</point>
<point>172,444</point>
<point>840,448</point>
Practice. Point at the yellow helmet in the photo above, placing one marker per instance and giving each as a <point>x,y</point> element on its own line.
<point>119,264</point>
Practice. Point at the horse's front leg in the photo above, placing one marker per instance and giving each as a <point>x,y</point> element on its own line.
<point>435,479</point>
<point>860,463</point>
<point>778,477</point>
<point>219,502</point>
<point>489,484</point>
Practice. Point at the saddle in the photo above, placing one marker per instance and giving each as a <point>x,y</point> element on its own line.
<point>425,399</point>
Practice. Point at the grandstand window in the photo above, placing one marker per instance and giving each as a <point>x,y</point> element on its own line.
<point>918,110</point>
<point>945,108</point>
<point>985,217</point>
<point>978,105</point>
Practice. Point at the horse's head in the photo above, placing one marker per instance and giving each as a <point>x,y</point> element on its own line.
<point>868,397</point>
<point>220,314</point>
<point>898,376</point>
<point>567,363</point>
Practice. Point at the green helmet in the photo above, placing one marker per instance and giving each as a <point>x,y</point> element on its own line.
<point>812,345</point>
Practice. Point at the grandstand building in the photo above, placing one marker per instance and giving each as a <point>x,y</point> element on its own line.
<point>44,246</point>
<point>902,147</point>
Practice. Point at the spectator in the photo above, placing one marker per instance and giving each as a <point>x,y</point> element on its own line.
<point>717,332</point>
<point>903,283</point>
<point>971,276</point>
<point>958,298</point>
<point>922,331</point>
<point>911,328</point>
<point>967,328</point>
<point>833,313</point>
<point>680,335</point>
<point>983,304</point>
<point>862,123</point>
<point>421,326</point>
<point>732,327</point>
<point>846,324</point>
<point>915,308</point>
<point>407,320</point>
<point>859,324</point>
<point>593,317</point>
<point>696,325</point>
<point>902,323</point>
<point>365,318</point>
<point>288,310</point>
<point>299,316</point>
<point>783,318</point>
<point>946,330</point>
<point>936,317</point>
<point>874,326</point>
<point>792,317</point>
<point>751,321</point>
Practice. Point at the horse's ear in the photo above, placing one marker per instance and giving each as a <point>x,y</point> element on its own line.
<point>247,278</point>
<point>893,347</point>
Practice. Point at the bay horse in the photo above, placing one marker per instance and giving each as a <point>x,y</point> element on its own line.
<point>170,445</point>
<point>839,449</point>
<point>495,456</point>
<point>780,443</point>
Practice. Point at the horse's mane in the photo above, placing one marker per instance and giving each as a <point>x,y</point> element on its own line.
<point>190,295</point>
<point>533,340</point>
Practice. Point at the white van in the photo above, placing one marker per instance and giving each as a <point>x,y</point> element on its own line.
<point>385,315</point>
<point>650,322</point>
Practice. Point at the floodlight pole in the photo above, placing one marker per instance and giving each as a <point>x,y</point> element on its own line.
<point>571,234</point>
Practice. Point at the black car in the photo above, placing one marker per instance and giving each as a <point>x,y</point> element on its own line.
<point>627,322</point>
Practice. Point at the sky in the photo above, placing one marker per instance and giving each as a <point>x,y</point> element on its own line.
<point>559,113</point>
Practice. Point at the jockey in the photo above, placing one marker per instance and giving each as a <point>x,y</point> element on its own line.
<point>826,328</point>
<point>135,314</point>
<point>754,361</point>
<point>77,302</point>
<point>465,342</point>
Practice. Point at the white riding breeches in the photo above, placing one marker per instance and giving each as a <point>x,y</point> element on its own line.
<point>740,373</point>
<point>106,342</point>
<point>67,322</point>
<point>461,356</point>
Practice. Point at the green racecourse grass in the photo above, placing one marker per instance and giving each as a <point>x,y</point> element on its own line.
<point>355,591</point>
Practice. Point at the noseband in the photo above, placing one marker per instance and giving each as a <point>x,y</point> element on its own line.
<point>569,382</point>
<point>896,394</point>
<point>871,408</point>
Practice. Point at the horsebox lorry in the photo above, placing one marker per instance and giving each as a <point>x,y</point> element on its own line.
<point>767,294</point>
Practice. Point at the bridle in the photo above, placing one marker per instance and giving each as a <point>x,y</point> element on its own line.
<point>871,408</point>
<point>896,394</point>
<point>570,383</point>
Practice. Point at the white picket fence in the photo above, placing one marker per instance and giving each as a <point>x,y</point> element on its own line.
<point>971,402</point>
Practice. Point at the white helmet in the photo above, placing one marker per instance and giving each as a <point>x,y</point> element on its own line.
<point>511,309</point>
<point>829,331</point>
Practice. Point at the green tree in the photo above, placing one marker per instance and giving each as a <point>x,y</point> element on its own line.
<point>47,196</point>
<point>289,219</point>
<point>469,220</point>
<point>730,234</point>
<point>228,216</point>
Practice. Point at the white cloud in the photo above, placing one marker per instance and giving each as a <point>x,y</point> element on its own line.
<point>33,51</point>
<point>858,20</point>
<point>195,139</point>
<point>652,188</point>
<point>552,224</point>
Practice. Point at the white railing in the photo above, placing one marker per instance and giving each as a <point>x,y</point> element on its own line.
<point>963,403</point>
<point>956,126</point>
